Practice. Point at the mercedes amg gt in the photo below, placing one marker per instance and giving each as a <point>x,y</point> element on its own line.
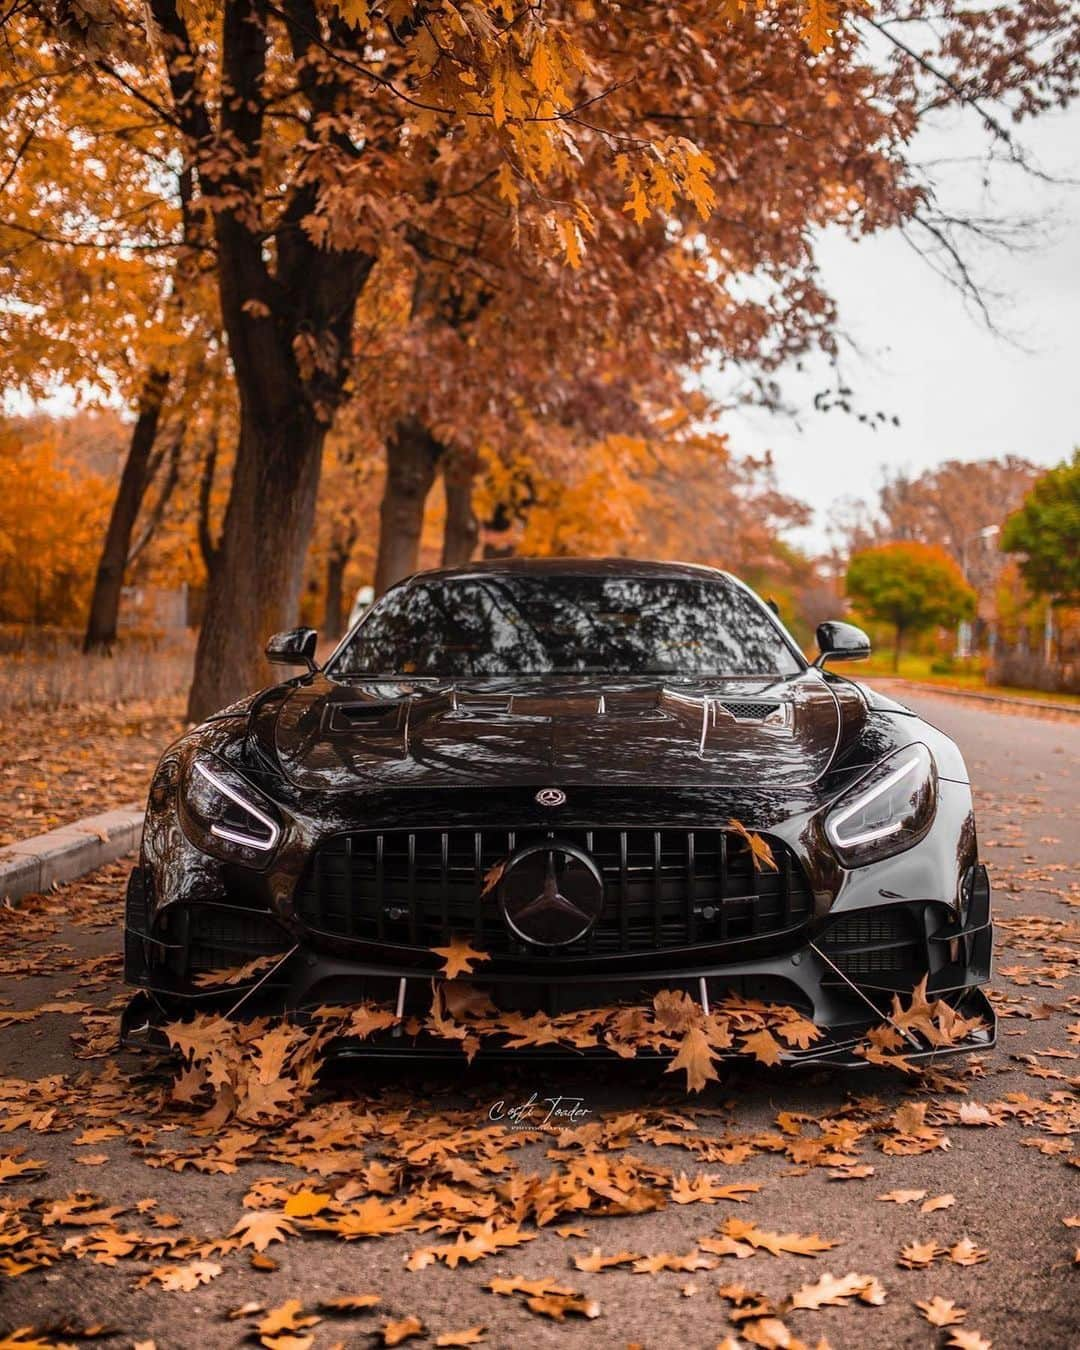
<point>567,763</point>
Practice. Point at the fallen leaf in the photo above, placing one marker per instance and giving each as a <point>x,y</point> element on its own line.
<point>937,1202</point>
<point>695,1058</point>
<point>394,1333</point>
<point>838,1293</point>
<point>759,850</point>
<point>287,1316</point>
<point>261,1228</point>
<point>305,1203</point>
<point>965,1253</point>
<point>967,1340</point>
<point>594,1262</point>
<point>460,958</point>
<point>942,1312</point>
<point>903,1197</point>
<point>919,1255</point>
<point>471,1336</point>
<point>184,1279</point>
<point>346,1303</point>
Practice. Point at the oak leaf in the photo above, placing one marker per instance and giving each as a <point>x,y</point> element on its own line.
<point>12,1166</point>
<point>346,1303</point>
<point>186,1278</point>
<point>919,1255</point>
<point>941,1312</point>
<point>965,1253</point>
<point>937,1202</point>
<point>470,1336</point>
<point>304,1204</point>
<point>595,1262</point>
<point>763,1046</point>
<point>261,1228</point>
<point>287,1316</point>
<point>838,1293</point>
<point>460,958</point>
<point>557,1306</point>
<point>706,1189</point>
<point>760,851</point>
<point>394,1333</point>
<point>903,1197</point>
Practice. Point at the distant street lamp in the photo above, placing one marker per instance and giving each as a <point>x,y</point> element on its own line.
<point>963,630</point>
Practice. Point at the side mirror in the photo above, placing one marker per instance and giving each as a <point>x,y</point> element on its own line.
<point>841,642</point>
<point>294,647</point>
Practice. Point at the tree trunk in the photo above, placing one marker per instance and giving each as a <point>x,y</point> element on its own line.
<point>334,609</point>
<point>207,547</point>
<point>109,579</point>
<point>412,455</point>
<point>896,647</point>
<point>259,564</point>
<point>462,528</point>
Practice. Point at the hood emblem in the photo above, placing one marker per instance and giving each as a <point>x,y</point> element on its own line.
<point>551,893</point>
<point>551,797</point>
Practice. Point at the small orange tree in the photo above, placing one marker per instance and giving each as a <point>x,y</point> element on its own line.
<point>912,586</point>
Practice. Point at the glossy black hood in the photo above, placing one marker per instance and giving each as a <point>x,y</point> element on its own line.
<point>758,733</point>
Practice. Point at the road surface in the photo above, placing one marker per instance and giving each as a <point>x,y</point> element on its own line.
<point>1001,1137</point>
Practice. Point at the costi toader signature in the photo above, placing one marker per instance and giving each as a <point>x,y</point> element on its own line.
<point>537,1113</point>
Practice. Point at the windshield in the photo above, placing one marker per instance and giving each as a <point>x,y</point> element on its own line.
<point>566,625</point>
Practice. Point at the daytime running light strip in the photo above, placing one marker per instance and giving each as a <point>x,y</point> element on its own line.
<point>234,836</point>
<point>883,831</point>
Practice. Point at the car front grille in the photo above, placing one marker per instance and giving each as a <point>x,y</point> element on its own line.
<point>663,888</point>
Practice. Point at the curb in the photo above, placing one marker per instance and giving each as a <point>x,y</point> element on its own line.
<point>32,865</point>
<point>1005,700</point>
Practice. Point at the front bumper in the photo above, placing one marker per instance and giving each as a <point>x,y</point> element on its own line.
<point>812,977</point>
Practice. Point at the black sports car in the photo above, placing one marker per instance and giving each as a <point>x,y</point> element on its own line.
<point>567,763</point>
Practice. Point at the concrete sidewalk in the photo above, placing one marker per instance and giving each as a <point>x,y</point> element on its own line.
<point>32,865</point>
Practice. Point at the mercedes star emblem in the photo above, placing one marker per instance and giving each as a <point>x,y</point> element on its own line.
<point>551,893</point>
<point>551,796</point>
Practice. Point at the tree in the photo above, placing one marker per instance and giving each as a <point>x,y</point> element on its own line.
<point>953,505</point>
<point>912,586</point>
<point>52,511</point>
<point>1045,531</point>
<point>321,139</point>
<point>104,285</point>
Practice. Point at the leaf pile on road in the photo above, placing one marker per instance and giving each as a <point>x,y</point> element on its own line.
<point>313,1164</point>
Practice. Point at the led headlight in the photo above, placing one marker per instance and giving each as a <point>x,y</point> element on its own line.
<point>224,814</point>
<point>887,810</point>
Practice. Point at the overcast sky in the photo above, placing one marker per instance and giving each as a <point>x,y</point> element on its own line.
<point>958,390</point>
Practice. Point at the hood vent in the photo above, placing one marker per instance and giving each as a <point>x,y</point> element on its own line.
<point>750,712</point>
<point>349,716</point>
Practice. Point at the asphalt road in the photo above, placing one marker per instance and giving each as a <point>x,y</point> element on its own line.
<point>1010,1197</point>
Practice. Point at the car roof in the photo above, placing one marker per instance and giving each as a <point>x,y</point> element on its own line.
<point>578,567</point>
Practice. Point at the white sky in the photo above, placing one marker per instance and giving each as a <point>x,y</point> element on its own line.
<point>959,391</point>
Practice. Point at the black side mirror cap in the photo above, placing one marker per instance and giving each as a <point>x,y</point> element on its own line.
<point>841,642</point>
<point>294,647</point>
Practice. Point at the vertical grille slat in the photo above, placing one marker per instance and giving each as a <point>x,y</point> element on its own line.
<point>624,892</point>
<point>478,878</point>
<point>444,880</point>
<point>691,887</point>
<point>785,886</point>
<point>664,889</point>
<point>755,881</point>
<point>658,888</point>
<point>412,887</point>
<point>380,859</point>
